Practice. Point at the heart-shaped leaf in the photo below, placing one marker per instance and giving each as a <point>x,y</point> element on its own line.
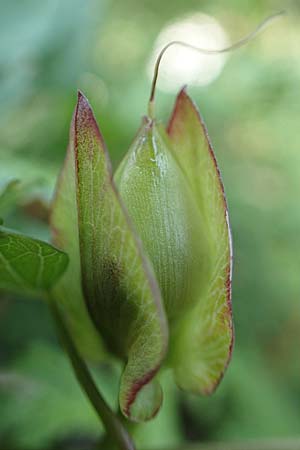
<point>120,289</point>
<point>27,265</point>
<point>205,338</point>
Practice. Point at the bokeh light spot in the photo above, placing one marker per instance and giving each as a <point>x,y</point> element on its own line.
<point>185,66</point>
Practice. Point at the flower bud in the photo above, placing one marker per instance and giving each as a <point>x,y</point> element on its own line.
<point>150,255</point>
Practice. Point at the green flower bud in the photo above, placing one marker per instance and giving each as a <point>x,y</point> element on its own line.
<point>150,255</point>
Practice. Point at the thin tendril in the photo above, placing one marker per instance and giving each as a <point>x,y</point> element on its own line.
<point>205,51</point>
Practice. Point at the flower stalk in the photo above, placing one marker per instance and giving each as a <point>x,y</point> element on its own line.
<point>116,432</point>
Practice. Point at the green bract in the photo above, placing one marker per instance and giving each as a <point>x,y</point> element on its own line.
<point>150,255</point>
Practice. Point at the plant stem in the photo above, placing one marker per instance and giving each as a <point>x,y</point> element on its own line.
<point>115,430</point>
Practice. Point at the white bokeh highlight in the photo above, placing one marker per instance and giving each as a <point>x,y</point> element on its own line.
<point>181,65</point>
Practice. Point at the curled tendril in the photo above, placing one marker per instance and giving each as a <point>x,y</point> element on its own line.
<point>249,37</point>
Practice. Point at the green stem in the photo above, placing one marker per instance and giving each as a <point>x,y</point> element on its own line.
<point>115,430</point>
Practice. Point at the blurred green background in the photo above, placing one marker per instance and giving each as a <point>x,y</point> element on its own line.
<point>49,49</point>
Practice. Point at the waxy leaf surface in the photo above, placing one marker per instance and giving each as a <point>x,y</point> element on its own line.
<point>204,342</point>
<point>118,282</point>
<point>28,266</point>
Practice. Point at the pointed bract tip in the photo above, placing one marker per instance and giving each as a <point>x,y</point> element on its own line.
<point>80,95</point>
<point>82,101</point>
<point>183,90</point>
<point>181,98</point>
<point>83,111</point>
<point>84,121</point>
<point>183,93</point>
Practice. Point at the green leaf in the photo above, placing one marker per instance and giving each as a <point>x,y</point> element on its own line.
<point>28,265</point>
<point>205,338</point>
<point>119,286</point>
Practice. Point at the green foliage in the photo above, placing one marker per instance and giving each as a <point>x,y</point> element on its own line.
<point>48,49</point>
<point>28,265</point>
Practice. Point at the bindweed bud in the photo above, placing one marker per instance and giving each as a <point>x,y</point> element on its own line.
<point>150,258</point>
<point>150,255</point>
